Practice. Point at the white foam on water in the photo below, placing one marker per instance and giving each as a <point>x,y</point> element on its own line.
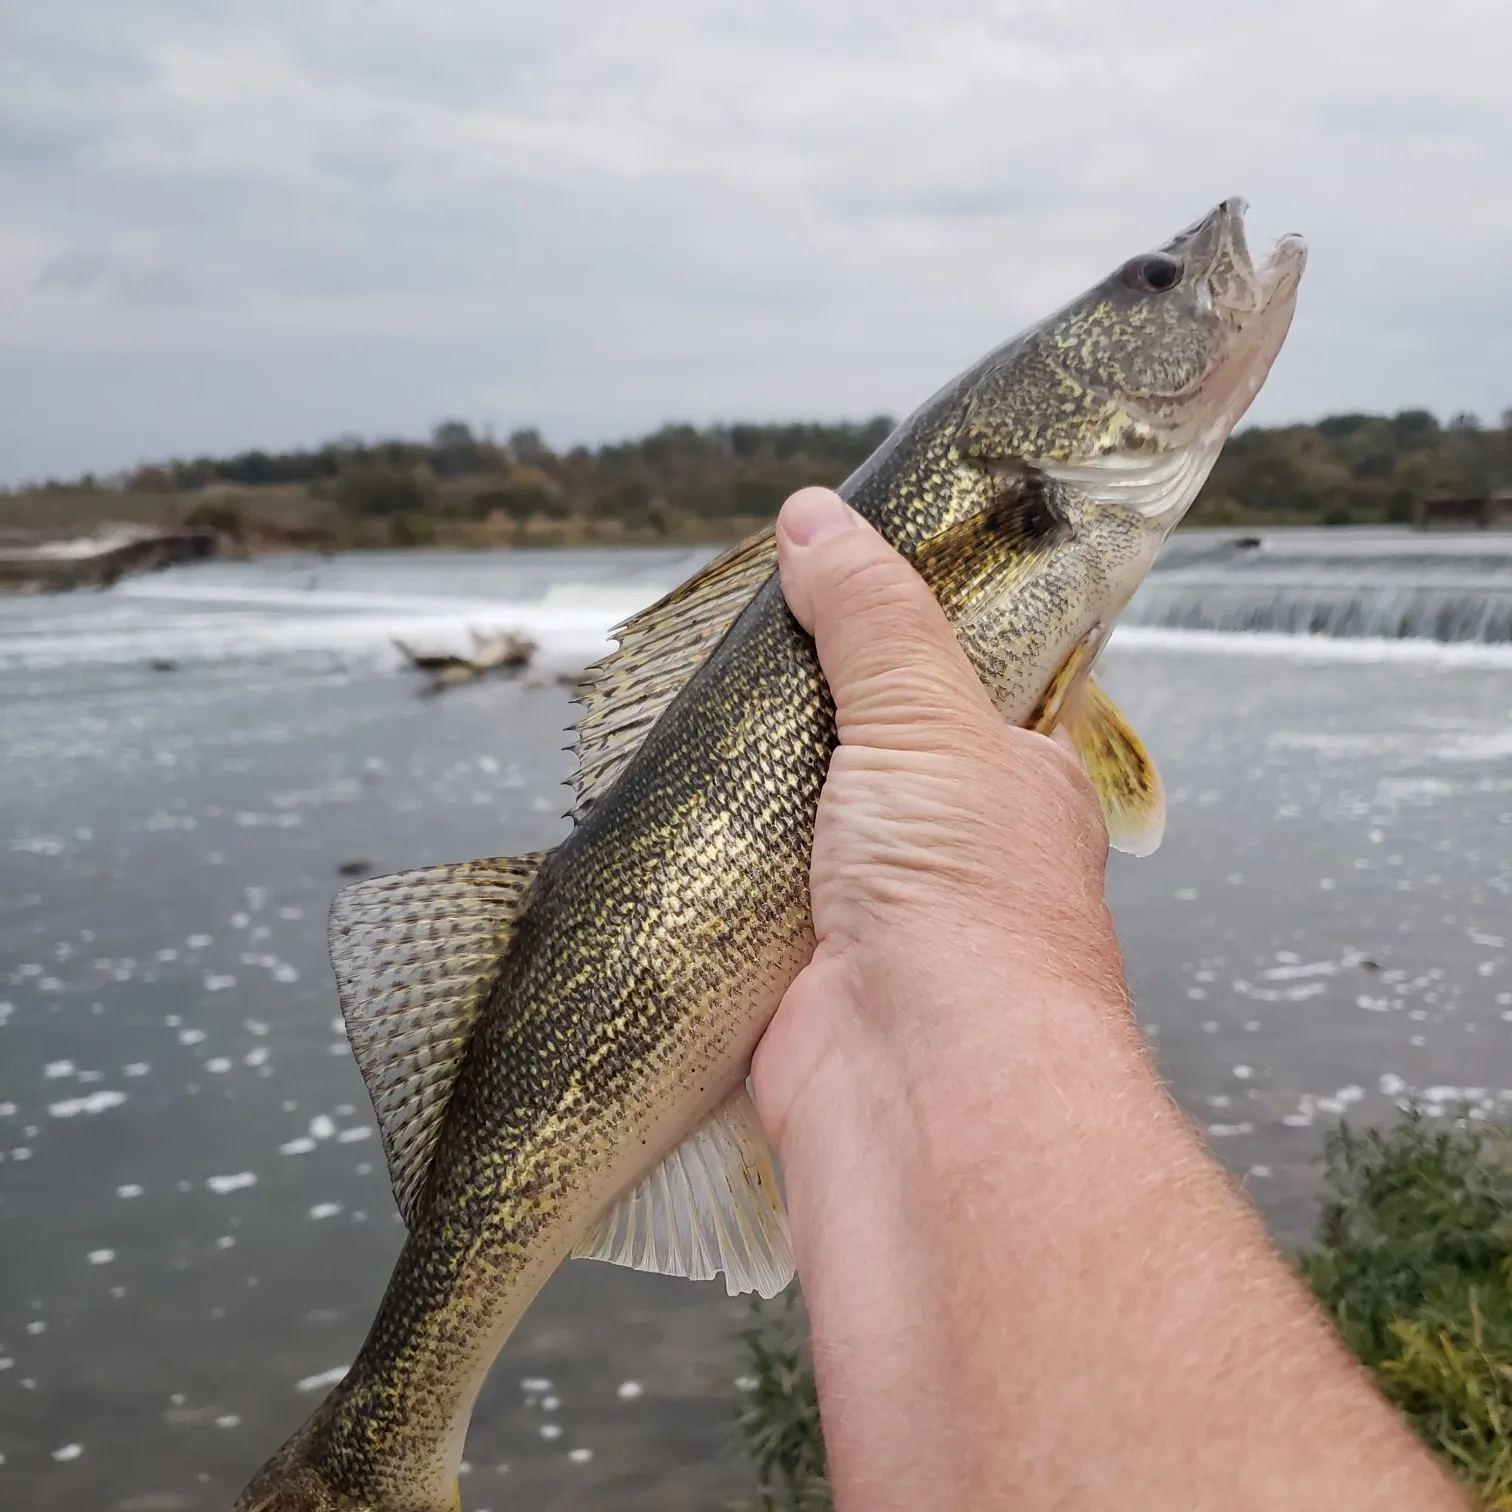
<point>571,620</point>
<point>1325,648</point>
<point>220,1185</point>
<point>93,1102</point>
<point>325,1378</point>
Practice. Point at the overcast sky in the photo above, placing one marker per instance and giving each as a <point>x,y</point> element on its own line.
<point>273,222</point>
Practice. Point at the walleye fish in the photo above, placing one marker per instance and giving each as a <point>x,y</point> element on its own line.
<point>557,1045</point>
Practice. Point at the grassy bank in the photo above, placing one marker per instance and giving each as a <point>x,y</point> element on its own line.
<point>683,484</point>
<point>1412,1258</point>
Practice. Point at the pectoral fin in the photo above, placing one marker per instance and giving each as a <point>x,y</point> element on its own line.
<point>712,1205</point>
<point>1132,794</point>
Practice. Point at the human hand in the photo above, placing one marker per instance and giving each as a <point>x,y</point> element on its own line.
<point>947,840</point>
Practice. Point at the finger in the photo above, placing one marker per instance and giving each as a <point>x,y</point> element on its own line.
<point>895,669</point>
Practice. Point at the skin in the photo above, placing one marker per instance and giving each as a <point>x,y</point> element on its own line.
<point>1029,1285</point>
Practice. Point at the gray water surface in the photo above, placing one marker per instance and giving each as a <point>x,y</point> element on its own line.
<point>195,1225</point>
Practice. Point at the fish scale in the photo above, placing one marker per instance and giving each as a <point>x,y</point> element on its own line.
<point>557,1047</point>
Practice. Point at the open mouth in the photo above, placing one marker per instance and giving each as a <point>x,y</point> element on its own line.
<point>1239,286</point>
<point>1259,321</point>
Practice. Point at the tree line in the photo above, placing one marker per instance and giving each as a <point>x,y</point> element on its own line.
<point>684,481</point>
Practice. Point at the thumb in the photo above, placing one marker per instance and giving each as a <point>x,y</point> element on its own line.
<point>897,673</point>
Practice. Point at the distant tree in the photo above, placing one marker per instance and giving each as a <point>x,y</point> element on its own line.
<point>527,446</point>
<point>454,449</point>
<point>381,491</point>
<point>151,479</point>
<point>1415,429</point>
<point>524,493</point>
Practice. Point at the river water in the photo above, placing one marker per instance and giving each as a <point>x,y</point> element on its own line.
<point>195,1224</point>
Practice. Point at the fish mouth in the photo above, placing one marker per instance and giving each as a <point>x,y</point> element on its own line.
<point>1239,288</point>
<point>1254,303</point>
<point>1247,309</point>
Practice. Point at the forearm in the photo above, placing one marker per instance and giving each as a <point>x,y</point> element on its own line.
<point>1029,1285</point>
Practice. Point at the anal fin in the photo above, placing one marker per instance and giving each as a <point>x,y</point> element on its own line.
<point>712,1205</point>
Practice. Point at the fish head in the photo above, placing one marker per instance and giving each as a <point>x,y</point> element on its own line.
<point>1129,392</point>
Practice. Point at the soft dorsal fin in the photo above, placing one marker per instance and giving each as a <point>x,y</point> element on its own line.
<point>414,955</point>
<point>1127,782</point>
<point>712,1205</point>
<point>659,650</point>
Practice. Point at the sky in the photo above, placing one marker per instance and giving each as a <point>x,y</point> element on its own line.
<point>277,222</point>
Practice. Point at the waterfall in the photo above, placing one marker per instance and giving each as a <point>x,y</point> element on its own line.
<point>1343,583</point>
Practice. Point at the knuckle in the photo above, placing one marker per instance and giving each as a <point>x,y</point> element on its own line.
<point>868,577</point>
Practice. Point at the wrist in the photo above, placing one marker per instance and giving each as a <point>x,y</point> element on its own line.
<point>938,1038</point>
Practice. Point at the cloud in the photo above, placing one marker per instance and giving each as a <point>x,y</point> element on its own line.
<point>272,221</point>
<point>87,271</point>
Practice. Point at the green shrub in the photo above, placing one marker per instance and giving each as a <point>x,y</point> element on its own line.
<point>522,493</point>
<point>1414,1264</point>
<point>411,530</point>
<point>223,515</point>
<point>780,1422</point>
<point>1452,1376</point>
<point>1418,1217</point>
<point>380,491</point>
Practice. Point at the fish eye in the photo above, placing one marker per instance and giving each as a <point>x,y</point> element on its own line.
<point>1153,275</point>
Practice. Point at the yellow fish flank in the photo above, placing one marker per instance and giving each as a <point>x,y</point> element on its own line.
<point>557,1045</point>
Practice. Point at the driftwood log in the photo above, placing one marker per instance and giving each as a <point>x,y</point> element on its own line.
<point>492,651</point>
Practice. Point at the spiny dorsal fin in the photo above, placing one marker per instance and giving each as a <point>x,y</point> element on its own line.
<point>712,1205</point>
<point>659,650</point>
<point>414,955</point>
<point>1132,794</point>
<point>972,557</point>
